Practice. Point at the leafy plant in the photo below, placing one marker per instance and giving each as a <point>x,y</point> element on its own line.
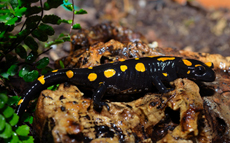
<point>8,119</point>
<point>19,52</point>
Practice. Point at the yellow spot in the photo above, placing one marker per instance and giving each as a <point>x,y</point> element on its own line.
<point>109,73</point>
<point>197,65</point>
<point>112,62</point>
<point>121,60</point>
<point>187,62</point>
<point>123,68</point>
<point>20,101</point>
<point>209,64</point>
<point>54,70</point>
<point>188,72</point>
<point>92,76</point>
<point>165,58</point>
<point>136,58</point>
<point>100,83</point>
<point>90,68</point>
<point>69,74</point>
<point>140,67</point>
<point>41,79</point>
<point>165,74</point>
<point>152,56</point>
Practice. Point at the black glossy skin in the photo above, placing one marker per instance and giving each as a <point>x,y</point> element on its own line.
<point>124,82</point>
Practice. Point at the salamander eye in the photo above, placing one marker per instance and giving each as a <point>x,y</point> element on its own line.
<point>200,70</point>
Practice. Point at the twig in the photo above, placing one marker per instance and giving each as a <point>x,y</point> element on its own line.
<point>13,47</point>
<point>45,51</point>
<point>23,26</point>
<point>72,19</point>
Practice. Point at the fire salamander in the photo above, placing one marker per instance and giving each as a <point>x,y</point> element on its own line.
<point>123,77</point>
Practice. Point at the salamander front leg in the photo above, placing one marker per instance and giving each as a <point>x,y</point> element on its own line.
<point>97,96</point>
<point>159,85</point>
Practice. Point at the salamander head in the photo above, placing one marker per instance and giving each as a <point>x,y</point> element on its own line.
<point>195,70</point>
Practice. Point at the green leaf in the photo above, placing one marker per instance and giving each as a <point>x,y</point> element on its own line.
<point>20,50</point>
<point>12,70</point>
<point>25,117</point>
<point>14,3</point>
<point>13,100</point>
<point>59,41</point>
<point>25,69</point>
<point>23,130</point>
<point>48,44</point>
<point>22,34</point>
<point>8,111</point>
<point>2,34</point>
<point>13,120</point>
<point>31,76</point>
<point>5,18</point>
<point>5,11</point>
<point>32,56</point>
<point>69,7</point>
<point>34,18</point>
<point>61,35</point>
<point>6,132</point>
<point>52,4</point>
<point>61,64</point>
<point>81,11</point>
<point>66,38</point>
<point>40,35</point>
<point>70,21</point>
<point>3,98</point>
<point>2,122</point>
<point>4,75</point>
<point>65,21</point>
<point>53,87</point>
<point>46,70</point>
<point>29,139</point>
<point>12,21</point>
<point>20,12</point>
<point>12,37</point>
<point>29,119</point>
<point>52,19</point>
<point>46,28</point>
<point>31,43</point>
<point>33,10</point>
<point>46,6</point>
<point>77,26</point>
<point>31,21</point>
<point>42,63</point>
<point>13,139</point>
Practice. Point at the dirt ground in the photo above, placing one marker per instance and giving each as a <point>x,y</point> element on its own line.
<point>182,25</point>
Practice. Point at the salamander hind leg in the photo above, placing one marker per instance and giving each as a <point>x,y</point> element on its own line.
<point>160,86</point>
<point>97,96</point>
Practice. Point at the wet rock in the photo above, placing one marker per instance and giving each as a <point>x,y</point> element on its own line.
<point>192,112</point>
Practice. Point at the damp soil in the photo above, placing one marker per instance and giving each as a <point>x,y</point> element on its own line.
<point>188,26</point>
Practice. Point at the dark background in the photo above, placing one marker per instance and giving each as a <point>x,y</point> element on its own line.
<point>200,26</point>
